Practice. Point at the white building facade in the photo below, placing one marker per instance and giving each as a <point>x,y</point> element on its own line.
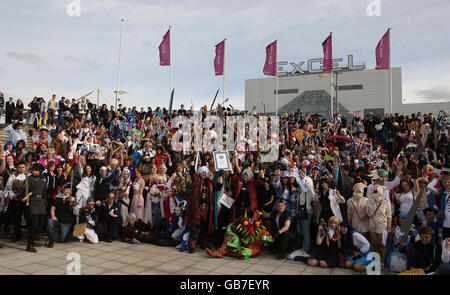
<point>355,89</point>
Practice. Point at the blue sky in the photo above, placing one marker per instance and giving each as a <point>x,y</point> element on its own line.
<point>45,51</point>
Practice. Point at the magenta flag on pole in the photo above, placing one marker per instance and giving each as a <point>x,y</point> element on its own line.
<point>219,59</point>
<point>382,53</point>
<point>164,50</point>
<point>327,54</point>
<point>270,67</point>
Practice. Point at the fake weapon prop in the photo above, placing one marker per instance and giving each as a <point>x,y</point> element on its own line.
<point>410,217</point>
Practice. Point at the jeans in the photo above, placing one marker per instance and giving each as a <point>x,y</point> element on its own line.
<point>444,268</point>
<point>65,229</point>
<point>61,118</point>
<point>305,225</point>
<point>51,116</point>
<point>28,117</point>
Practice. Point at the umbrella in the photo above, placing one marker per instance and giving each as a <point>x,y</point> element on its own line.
<point>356,114</point>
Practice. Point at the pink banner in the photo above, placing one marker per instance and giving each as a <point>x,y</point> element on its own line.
<point>219,59</point>
<point>164,50</point>
<point>382,52</point>
<point>270,67</point>
<point>327,54</point>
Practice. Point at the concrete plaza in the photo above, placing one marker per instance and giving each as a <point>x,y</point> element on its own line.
<point>120,258</point>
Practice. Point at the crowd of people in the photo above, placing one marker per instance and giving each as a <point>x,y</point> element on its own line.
<point>342,188</point>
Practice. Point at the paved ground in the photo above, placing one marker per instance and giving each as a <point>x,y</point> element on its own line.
<point>120,258</point>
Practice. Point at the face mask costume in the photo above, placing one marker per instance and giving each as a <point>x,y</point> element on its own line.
<point>244,238</point>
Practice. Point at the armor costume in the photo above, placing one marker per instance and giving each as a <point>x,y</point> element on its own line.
<point>244,238</point>
<point>16,188</point>
<point>199,208</point>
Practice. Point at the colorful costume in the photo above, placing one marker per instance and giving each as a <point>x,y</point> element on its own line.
<point>244,238</point>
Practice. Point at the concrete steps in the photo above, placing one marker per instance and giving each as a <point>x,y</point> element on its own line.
<point>4,135</point>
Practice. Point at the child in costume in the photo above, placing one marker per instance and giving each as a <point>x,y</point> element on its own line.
<point>177,231</point>
<point>355,248</point>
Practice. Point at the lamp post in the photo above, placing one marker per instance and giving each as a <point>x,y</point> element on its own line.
<point>118,69</point>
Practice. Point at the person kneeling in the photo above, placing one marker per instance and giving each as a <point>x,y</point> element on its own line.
<point>355,248</point>
<point>88,216</point>
<point>282,233</point>
<point>326,254</point>
<point>61,215</point>
<point>136,232</point>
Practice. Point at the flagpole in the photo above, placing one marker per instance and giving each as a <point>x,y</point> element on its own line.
<point>118,69</point>
<point>170,59</point>
<point>390,71</point>
<point>276,77</point>
<point>332,83</point>
<point>224,75</point>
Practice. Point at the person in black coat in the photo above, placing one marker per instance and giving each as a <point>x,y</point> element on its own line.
<point>281,230</point>
<point>37,186</point>
<point>266,200</point>
<point>9,107</point>
<point>425,253</point>
<point>109,223</point>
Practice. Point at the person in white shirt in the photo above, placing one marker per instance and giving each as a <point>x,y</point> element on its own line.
<point>15,132</point>
<point>406,196</point>
<point>444,268</point>
<point>85,188</point>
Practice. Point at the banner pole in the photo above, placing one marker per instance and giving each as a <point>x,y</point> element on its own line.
<point>118,68</point>
<point>390,71</point>
<point>224,72</point>
<point>170,59</point>
<point>276,77</point>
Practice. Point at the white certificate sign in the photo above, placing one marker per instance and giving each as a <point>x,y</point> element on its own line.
<point>226,201</point>
<point>222,161</point>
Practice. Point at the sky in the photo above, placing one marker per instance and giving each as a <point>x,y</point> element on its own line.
<point>44,50</point>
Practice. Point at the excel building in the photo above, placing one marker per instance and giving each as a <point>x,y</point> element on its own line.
<point>354,89</point>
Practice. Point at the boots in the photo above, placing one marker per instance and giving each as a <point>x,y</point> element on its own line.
<point>283,249</point>
<point>192,245</point>
<point>30,247</point>
<point>49,243</point>
<point>219,253</point>
<point>36,242</point>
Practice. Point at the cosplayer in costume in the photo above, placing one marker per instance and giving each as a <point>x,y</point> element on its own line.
<point>244,238</point>
<point>177,231</point>
<point>136,231</point>
<point>199,209</point>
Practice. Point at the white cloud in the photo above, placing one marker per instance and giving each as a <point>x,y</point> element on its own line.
<point>25,57</point>
<point>89,63</point>
<point>93,38</point>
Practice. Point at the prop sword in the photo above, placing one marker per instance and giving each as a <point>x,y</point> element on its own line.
<point>170,104</point>
<point>410,217</point>
<point>214,100</point>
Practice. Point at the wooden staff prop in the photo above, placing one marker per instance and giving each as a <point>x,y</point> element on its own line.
<point>27,197</point>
